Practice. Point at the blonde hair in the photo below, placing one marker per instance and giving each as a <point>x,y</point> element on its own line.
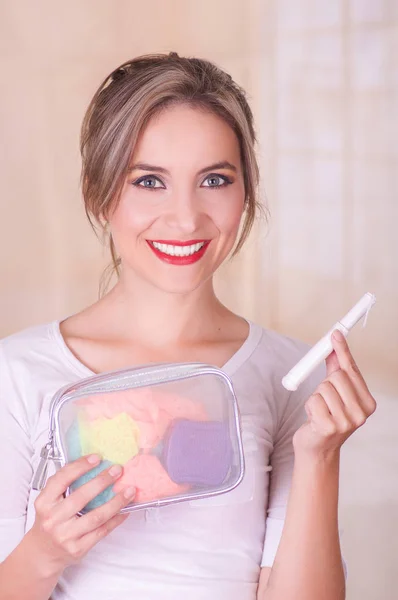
<point>123,105</point>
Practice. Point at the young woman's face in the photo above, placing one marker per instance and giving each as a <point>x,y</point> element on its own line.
<point>178,214</point>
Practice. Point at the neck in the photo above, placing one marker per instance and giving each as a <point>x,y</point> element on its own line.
<point>142,312</point>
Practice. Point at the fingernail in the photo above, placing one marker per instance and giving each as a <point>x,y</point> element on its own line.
<point>129,492</point>
<point>338,336</point>
<point>115,470</point>
<point>93,459</point>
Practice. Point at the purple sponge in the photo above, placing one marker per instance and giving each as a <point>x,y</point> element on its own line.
<point>198,452</point>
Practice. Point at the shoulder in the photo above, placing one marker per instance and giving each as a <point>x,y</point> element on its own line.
<point>33,365</point>
<point>284,352</point>
<point>275,350</point>
<point>38,349</point>
<point>272,355</point>
<point>35,347</point>
<point>28,350</point>
<point>28,340</point>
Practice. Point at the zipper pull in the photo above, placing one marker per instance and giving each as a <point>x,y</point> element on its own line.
<point>40,477</point>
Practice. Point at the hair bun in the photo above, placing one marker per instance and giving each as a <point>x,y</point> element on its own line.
<point>119,74</point>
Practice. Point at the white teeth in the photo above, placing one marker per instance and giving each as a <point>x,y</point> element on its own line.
<point>178,250</point>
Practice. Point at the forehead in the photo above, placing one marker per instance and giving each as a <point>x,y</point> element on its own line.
<point>188,136</point>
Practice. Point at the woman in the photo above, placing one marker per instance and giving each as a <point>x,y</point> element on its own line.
<point>169,172</point>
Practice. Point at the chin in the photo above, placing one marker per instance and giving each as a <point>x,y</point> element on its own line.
<point>178,285</point>
<point>175,279</point>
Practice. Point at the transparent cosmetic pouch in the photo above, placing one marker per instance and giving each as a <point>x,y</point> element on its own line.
<point>175,429</point>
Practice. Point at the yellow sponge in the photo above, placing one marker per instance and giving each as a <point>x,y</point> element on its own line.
<point>114,439</point>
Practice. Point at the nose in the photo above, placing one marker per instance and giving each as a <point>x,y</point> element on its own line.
<point>185,213</point>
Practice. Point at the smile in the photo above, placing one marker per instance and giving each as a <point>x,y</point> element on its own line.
<point>179,253</point>
<point>178,250</point>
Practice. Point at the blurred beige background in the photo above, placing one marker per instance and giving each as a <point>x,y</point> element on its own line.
<point>322,79</point>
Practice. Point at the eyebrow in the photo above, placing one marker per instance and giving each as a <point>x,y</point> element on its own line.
<point>219,165</point>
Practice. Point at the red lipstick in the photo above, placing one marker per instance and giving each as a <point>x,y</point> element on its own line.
<point>179,260</point>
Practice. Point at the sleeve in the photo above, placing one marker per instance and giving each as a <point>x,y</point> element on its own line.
<point>15,461</point>
<point>282,462</point>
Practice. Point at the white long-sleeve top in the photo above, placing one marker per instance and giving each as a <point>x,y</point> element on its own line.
<point>209,549</point>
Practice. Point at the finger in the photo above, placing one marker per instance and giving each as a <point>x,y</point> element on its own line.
<point>101,515</point>
<point>57,484</point>
<point>77,500</point>
<point>335,406</point>
<point>332,363</point>
<point>349,365</point>
<point>321,420</point>
<point>345,358</point>
<point>90,539</point>
<point>353,404</point>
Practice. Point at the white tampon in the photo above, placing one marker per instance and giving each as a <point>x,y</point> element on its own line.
<point>324,347</point>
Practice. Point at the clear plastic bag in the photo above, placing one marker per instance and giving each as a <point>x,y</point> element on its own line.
<point>175,429</point>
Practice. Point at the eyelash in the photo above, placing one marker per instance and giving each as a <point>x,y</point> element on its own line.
<point>227,181</point>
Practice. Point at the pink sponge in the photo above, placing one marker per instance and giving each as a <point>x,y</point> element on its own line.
<point>138,403</point>
<point>150,479</point>
<point>153,410</point>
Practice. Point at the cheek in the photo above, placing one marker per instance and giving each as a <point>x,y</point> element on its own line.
<point>128,218</point>
<point>227,217</point>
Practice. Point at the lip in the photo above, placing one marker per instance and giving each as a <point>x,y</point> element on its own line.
<point>179,260</point>
<point>179,243</point>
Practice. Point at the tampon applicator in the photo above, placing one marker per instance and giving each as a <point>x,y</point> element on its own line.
<point>324,347</point>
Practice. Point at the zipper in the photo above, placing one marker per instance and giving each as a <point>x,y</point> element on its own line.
<point>40,477</point>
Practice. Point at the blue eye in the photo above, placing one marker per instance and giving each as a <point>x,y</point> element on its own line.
<point>214,176</point>
<point>148,179</point>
